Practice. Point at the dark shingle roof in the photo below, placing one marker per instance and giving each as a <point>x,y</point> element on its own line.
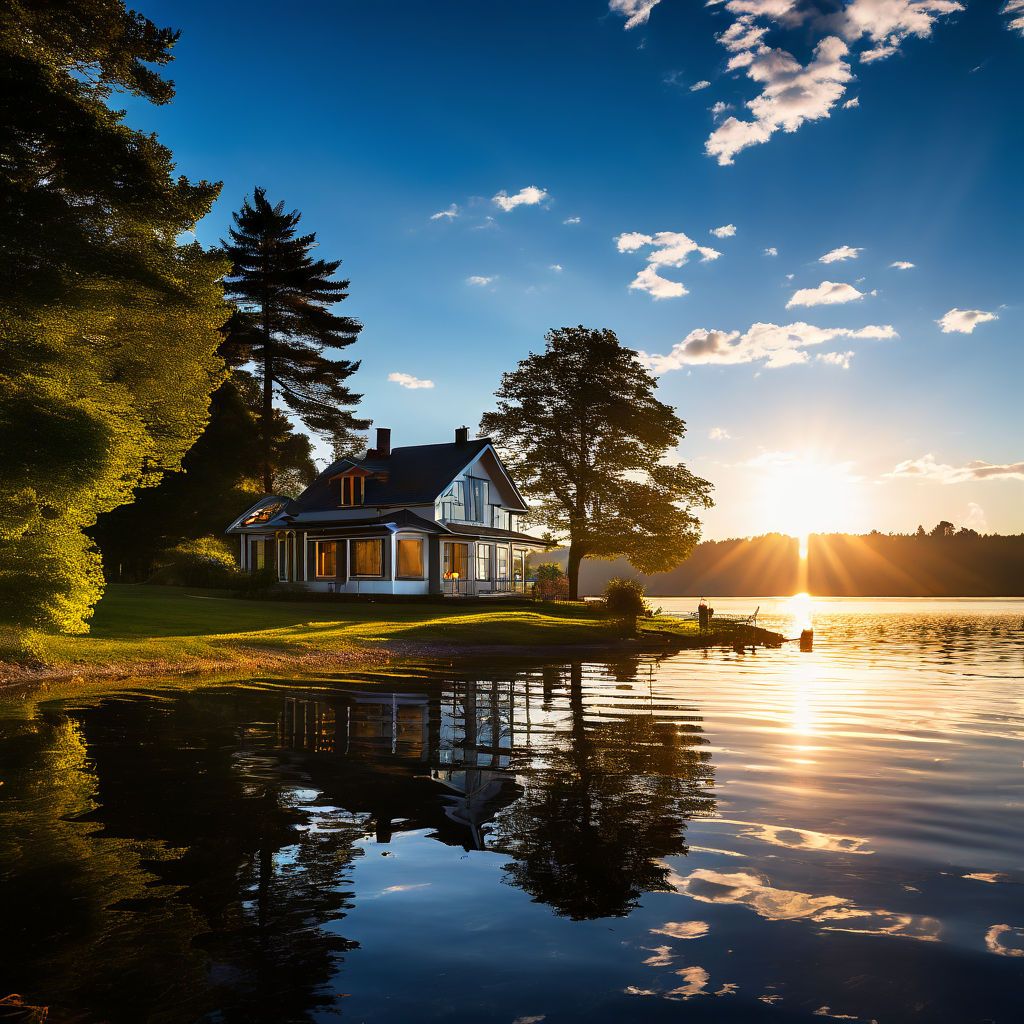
<point>416,475</point>
<point>402,518</point>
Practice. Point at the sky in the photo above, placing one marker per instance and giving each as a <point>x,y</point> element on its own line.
<point>806,215</point>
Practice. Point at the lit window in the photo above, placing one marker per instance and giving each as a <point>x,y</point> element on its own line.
<point>264,514</point>
<point>327,558</point>
<point>259,551</point>
<point>367,558</point>
<point>456,561</point>
<point>353,490</point>
<point>410,559</point>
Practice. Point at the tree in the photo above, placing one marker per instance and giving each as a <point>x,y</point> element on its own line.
<point>108,327</point>
<point>284,323</point>
<point>582,430</point>
<point>943,529</point>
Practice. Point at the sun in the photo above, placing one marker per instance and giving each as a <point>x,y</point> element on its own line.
<point>800,493</point>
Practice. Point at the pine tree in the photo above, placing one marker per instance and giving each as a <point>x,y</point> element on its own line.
<point>285,322</point>
<point>582,430</point>
<point>108,327</point>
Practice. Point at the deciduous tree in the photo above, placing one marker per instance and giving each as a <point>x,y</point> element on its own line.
<point>582,430</point>
<point>108,327</point>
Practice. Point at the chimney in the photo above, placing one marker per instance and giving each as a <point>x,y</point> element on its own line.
<point>383,449</point>
<point>461,435</point>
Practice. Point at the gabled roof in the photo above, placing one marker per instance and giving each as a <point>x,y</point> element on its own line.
<point>413,475</point>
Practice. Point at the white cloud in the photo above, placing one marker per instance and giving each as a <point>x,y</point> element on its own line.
<point>905,264</point>
<point>407,380</point>
<point>719,109</point>
<point>668,249</point>
<point>695,983</point>
<point>777,346</point>
<point>963,321</point>
<point>851,103</point>
<point>828,293</point>
<point>529,196</point>
<point>556,267</point>
<point>719,434</point>
<point>791,94</point>
<point>771,251</point>
<point>571,220</point>
<point>887,23</point>
<point>683,929</point>
<point>704,83</point>
<point>479,281</point>
<point>996,940</point>
<point>928,468</point>
<point>1014,10</point>
<point>841,359</point>
<point>844,252</point>
<point>636,12</point>
<point>725,231</point>
<point>975,520</point>
<point>450,214</point>
<point>658,287</point>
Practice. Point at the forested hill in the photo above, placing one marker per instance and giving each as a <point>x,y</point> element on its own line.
<point>939,564</point>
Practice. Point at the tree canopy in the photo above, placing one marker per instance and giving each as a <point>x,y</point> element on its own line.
<point>285,323</point>
<point>584,434</point>
<point>108,326</point>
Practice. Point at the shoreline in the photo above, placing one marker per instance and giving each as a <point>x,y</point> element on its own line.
<point>367,657</point>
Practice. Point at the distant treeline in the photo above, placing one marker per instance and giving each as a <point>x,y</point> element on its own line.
<point>937,564</point>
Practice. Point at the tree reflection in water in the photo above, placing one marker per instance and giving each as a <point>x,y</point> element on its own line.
<point>173,856</point>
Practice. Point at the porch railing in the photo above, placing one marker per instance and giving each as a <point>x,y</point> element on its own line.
<point>474,588</point>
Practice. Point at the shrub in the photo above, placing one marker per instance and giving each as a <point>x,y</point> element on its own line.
<point>624,600</point>
<point>552,584</point>
<point>205,562</point>
<point>258,583</point>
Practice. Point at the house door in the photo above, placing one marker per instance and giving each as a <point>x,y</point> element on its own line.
<point>519,569</point>
<point>456,568</point>
<point>282,559</point>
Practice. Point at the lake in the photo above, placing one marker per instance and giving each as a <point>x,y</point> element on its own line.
<point>773,836</point>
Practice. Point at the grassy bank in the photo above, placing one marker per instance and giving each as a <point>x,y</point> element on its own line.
<point>149,630</point>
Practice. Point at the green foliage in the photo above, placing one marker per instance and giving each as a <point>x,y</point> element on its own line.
<point>551,584</point>
<point>108,327</point>
<point>624,598</point>
<point>585,436</point>
<point>204,562</point>
<point>284,323</point>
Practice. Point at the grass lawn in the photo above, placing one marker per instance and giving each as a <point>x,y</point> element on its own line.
<point>146,630</point>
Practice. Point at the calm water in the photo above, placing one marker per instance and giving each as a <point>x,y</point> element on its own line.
<point>777,836</point>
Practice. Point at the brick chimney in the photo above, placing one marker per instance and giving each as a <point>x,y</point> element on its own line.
<point>383,449</point>
<point>461,435</point>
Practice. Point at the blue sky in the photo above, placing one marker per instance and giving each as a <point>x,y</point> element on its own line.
<point>372,118</point>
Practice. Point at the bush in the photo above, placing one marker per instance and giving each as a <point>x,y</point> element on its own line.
<point>206,562</point>
<point>552,584</point>
<point>624,600</point>
<point>258,583</point>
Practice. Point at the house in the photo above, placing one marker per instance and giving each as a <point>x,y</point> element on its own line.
<point>423,519</point>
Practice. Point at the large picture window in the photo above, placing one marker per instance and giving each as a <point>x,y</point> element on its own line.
<point>327,558</point>
<point>456,561</point>
<point>367,558</point>
<point>410,559</point>
<point>483,561</point>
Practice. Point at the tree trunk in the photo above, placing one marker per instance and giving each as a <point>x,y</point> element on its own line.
<point>267,413</point>
<point>572,569</point>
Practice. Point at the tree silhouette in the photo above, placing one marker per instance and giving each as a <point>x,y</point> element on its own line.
<point>285,323</point>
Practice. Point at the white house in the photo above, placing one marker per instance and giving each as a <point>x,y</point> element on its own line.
<point>424,519</point>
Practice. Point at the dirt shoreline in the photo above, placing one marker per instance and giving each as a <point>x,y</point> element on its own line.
<point>363,658</point>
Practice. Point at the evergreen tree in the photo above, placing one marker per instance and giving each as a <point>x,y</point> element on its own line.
<point>583,432</point>
<point>108,327</point>
<point>285,323</point>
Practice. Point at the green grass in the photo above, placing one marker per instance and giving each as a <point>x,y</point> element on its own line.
<point>146,630</point>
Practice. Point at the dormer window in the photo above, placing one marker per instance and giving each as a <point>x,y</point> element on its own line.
<point>352,484</point>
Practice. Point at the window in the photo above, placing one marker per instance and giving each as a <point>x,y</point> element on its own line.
<point>259,554</point>
<point>453,502</point>
<point>263,514</point>
<point>456,561</point>
<point>502,552</point>
<point>483,561</point>
<point>410,559</point>
<point>282,559</point>
<point>327,558</point>
<point>367,558</point>
<point>477,499</point>
<point>353,489</point>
